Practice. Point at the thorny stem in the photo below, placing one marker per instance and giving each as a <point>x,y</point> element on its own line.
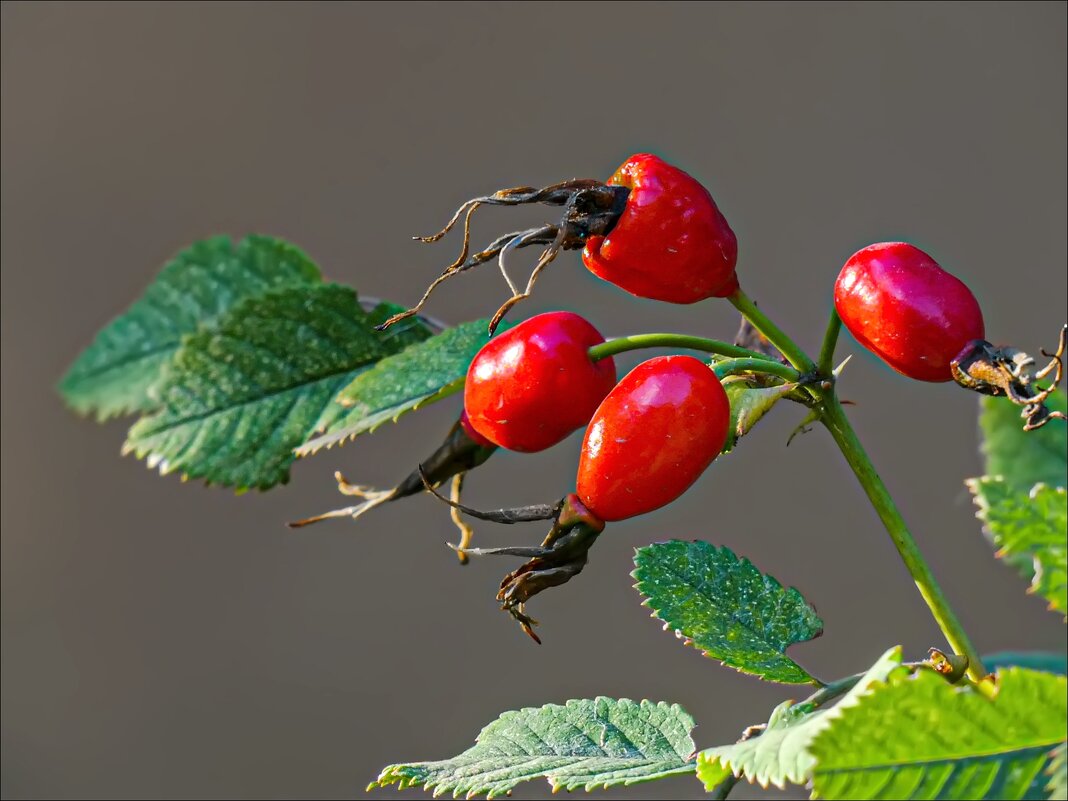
<point>825,365</point>
<point>833,417</point>
<point>683,341</point>
<point>836,422</point>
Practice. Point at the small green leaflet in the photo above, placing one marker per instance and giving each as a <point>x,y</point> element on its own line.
<point>587,744</point>
<point>115,374</point>
<point>238,399</point>
<point>921,738</point>
<point>782,753</point>
<point>423,373</point>
<point>1024,458</point>
<point>1030,530</point>
<point>748,405</point>
<point>727,608</point>
<point>714,776</point>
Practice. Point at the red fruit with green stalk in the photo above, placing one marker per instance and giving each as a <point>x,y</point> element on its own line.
<point>671,242</point>
<point>532,386</point>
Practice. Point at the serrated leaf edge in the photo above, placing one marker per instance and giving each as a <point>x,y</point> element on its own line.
<point>329,441</point>
<point>990,698</point>
<point>233,244</point>
<point>391,774</point>
<point>688,641</point>
<point>894,653</point>
<point>981,509</point>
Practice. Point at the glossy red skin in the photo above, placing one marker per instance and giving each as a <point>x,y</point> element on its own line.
<point>531,386</point>
<point>652,437</point>
<point>474,436</point>
<point>671,243</point>
<point>903,307</point>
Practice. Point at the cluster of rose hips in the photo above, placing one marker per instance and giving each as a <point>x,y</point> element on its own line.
<point>656,232</point>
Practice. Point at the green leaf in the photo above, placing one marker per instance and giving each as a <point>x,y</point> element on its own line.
<point>712,774</point>
<point>726,607</point>
<point>583,744</point>
<point>1030,530</point>
<point>1057,770</point>
<point>748,405</point>
<point>423,373</point>
<point>237,400</point>
<point>921,738</point>
<point>115,374</point>
<point>782,753</point>
<point>1046,661</point>
<point>1024,458</point>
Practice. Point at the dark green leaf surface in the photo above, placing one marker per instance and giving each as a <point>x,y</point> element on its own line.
<point>782,754</point>
<point>726,607</point>
<point>1030,530</point>
<point>238,399</point>
<point>1024,458</point>
<point>921,738</point>
<point>115,374</point>
<point>423,373</point>
<point>583,744</point>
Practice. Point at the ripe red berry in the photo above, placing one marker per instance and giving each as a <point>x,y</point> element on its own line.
<point>903,307</point>
<point>530,387</point>
<point>671,242</point>
<point>652,437</point>
<point>469,430</point>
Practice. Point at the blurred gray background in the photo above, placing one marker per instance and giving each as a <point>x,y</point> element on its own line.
<point>167,640</point>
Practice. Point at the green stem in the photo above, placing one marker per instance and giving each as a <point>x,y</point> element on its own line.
<point>797,357</point>
<point>733,366</point>
<point>837,423</point>
<point>832,415</point>
<point>623,344</point>
<point>826,361</point>
<point>834,690</point>
<point>723,789</point>
<point>845,437</point>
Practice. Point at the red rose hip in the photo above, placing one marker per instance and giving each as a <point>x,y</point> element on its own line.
<point>531,386</point>
<point>903,307</point>
<point>670,243</point>
<point>652,437</point>
<point>469,430</point>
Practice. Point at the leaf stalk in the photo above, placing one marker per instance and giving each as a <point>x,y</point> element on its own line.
<point>682,341</point>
